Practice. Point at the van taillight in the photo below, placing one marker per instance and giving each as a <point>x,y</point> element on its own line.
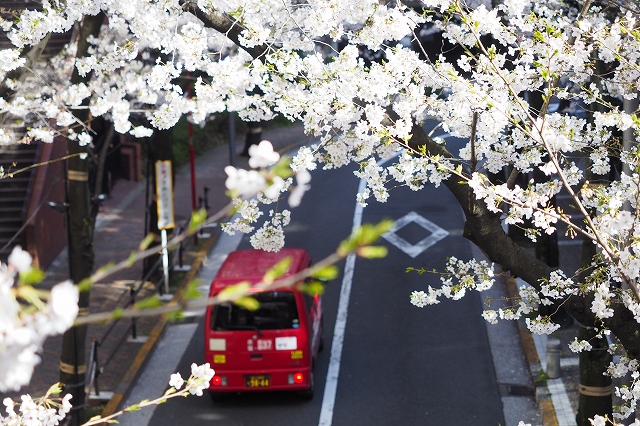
<point>219,381</point>
<point>298,378</point>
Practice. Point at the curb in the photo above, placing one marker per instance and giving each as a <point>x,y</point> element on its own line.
<point>543,399</point>
<point>128,380</point>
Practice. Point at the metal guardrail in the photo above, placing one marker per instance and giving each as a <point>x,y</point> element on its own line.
<point>127,299</point>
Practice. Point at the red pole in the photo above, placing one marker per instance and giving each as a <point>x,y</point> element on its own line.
<point>192,160</point>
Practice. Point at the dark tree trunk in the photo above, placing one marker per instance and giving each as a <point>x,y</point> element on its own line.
<point>484,228</point>
<point>81,215</point>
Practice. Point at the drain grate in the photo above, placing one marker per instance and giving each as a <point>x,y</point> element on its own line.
<point>507,389</point>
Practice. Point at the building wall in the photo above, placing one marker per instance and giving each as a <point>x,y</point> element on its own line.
<point>45,233</point>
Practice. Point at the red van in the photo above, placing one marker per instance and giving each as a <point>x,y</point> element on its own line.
<point>271,348</point>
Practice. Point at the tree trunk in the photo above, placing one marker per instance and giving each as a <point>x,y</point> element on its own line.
<point>595,389</point>
<point>81,216</point>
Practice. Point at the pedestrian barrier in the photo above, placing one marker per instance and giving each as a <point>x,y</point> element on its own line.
<point>127,299</point>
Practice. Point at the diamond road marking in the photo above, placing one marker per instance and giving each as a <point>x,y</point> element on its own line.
<point>414,250</point>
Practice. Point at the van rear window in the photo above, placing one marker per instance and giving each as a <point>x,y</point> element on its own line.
<point>278,310</point>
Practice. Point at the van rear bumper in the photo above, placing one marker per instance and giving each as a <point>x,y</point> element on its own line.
<point>278,380</point>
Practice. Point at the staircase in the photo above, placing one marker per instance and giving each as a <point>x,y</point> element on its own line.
<point>14,193</point>
<point>15,190</point>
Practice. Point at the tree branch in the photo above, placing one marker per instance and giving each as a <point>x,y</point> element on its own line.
<point>224,24</point>
<point>484,228</point>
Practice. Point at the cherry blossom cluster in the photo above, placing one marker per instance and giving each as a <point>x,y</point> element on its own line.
<point>199,380</point>
<point>527,303</point>
<point>51,410</point>
<point>48,410</point>
<point>27,317</point>
<point>267,186</point>
<point>459,277</point>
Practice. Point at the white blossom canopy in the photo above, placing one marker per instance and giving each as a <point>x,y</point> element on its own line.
<point>307,61</point>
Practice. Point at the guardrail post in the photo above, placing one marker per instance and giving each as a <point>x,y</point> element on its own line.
<point>132,298</point>
<point>553,358</point>
<point>180,250</point>
<point>94,366</point>
<point>181,266</point>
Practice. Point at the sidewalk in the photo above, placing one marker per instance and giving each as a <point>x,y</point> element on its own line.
<point>557,398</point>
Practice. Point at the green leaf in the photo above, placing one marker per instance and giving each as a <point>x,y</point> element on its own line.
<point>134,407</point>
<point>327,273</point>
<point>147,241</point>
<point>148,303</point>
<point>191,292</point>
<point>233,292</point>
<point>372,252</point>
<point>106,267</point>
<point>278,270</point>
<point>175,315</point>
<point>232,193</point>
<point>132,258</point>
<point>55,389</point>
<point>247,302</point>
<point>33,298</point>
<point>537,35</point>
<point>283,167</point>
<point>312,287</point>
<point>198,217</point>
<point>31,276</point>
<point>116,313</point>
<point>85,285</point>
<point>365,235</point>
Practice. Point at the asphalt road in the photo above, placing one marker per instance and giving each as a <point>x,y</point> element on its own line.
<point>397,363</point>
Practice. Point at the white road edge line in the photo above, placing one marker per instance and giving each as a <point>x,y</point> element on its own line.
<point>331,384</point>
<point>333,372</point>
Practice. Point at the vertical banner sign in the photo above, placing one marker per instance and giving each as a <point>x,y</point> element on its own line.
<point>164,196</point>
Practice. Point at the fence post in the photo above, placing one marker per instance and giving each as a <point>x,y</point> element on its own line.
<point>181,267</point>
<point>94,371</point>
<point>201,233</point>
<point>96,365</point>
<point>132,296</point>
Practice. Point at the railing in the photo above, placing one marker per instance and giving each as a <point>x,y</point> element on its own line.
<point>127,299</point>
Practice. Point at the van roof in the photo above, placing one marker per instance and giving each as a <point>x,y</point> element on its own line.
<point>251,265</point>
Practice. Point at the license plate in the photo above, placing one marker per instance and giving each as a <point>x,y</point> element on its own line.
<point>258,381</point>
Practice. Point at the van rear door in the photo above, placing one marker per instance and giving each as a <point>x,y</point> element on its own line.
<point>262,344</point>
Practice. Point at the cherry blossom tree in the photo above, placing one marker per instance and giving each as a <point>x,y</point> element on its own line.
<point>304,60</point>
